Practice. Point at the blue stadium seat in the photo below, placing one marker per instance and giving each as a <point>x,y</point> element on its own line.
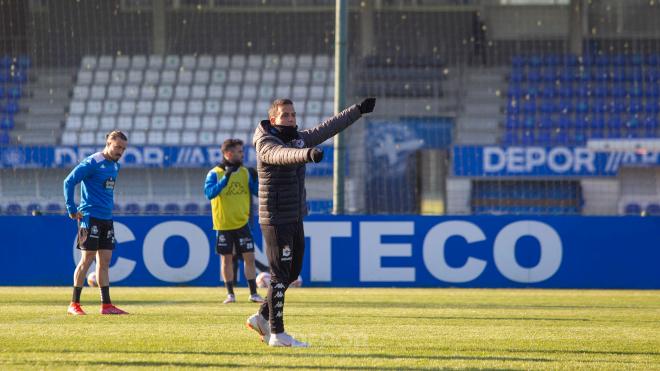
<point>600,91</point>
<point>14,92</point>
<point>637,60</point>
<point>543,138</point>
<point>152,209</point>
<point>512,122</point>
<point>633,209</point>
<point>551,60</point>
<point>172,209</point>
<point>533,76</point>
<point>653,209</point>
<point>650,126</point>
<point>515,92</point>
<point>548,106</point>
<point>14,209</point>
<point>513,107</point>
<point>566,91</point>
<point>618,106</point>
<point>207,208</point>
<point>4,137</point>
<point>560,137</point>
<point>24,62</point>
<point>564,122</point>
<point>535,61</point>
<point>510,138</point>
<point>618,91</point>
<point>19,77</point>
<point>2,92</point>
<point>549,92</point>
<point>652,91</point>
<point>545,123</point>
<point>602,60</point>
<point>636,91</point>
<point>11,108</point>
<point>567,75</point>
<point>53,208</point>
<point>565,106</point>
<point>652,59</point>
<point>570,60</point>
<point>614,122</point>
<point>191,209</point>
<point>549,75</point>
<point>319,206</point>
<point>600,106</point>
<point>116,209</point>
<point>4,76</point>
<point>132,209</point>
<point>6,62</point>
<point>652,107</point>
<point>618,75</point>
<point>582,106</point>
<point>33,208</point>
<point>618,60</point>
<point>597,123</point>
<point>529,107</point>
<point>518,61</point>
<point>7,122</point>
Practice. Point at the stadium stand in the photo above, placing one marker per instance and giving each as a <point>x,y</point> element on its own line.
<point>526,197</point>
<point>173,100</point>
<point>565,100</point>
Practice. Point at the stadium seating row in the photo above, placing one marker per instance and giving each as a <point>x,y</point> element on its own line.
<point>569,90</point>
<point>593,109</point>
<point>566,106</point>
<point>205,62</point>
<point>193,107</point>
<point>170,208</point>
<point>651,209</point>
<point>200,91</point>
<point>571,60</point>
<point>522,197</point>
<point>187,77</point>
<point>175,122</point>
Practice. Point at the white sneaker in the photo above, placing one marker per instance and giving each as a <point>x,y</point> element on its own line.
<point>285,340</point>
<point>259,324</point>
<point>256,298</point>
<point>230,299</point>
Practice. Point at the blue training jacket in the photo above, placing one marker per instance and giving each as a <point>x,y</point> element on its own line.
<point>98,176</point>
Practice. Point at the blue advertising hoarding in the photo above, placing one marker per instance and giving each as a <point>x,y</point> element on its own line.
<point>362,251</point>
<point>139,157</point>
<point>533,161</point>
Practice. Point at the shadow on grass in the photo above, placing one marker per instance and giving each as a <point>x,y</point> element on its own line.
<point>412,305</point>
<point>298,354</point>
<point>226,365</point>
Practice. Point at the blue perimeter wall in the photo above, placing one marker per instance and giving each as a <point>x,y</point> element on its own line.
<point>364,251</point>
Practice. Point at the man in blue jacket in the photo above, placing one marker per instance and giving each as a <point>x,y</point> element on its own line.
<point>96,238</point>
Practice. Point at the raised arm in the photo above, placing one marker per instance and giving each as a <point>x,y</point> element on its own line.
<point>332,126</point>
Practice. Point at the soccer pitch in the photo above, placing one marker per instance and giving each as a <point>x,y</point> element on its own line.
<point>395,329</point>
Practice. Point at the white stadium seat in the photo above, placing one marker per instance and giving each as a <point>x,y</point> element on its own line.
<point>69,138</point>
<point>138,137</point>
<point>89,62</point>
<point>175,123</point>
<point>139,62</point>
<point>158,123</point>
<point>122,62</point>
<point>73,122</point>
<point>125,123</point>
<point>141,123</point>
<point>192,123</point>
<point>172,62</point>
<point>97,92</point>
<point>105,62</point>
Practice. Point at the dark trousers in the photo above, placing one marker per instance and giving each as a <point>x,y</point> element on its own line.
<point>285,248</point>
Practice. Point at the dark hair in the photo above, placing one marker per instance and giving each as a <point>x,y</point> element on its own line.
<point>276,103</point>
<point>115,134</point>
<point>230,143</point>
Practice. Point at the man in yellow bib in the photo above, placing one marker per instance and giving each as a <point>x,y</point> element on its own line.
<point>229,187</point>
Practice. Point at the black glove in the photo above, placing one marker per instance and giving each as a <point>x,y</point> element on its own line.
<point>315,155</point>
<point>230,169</point>
<point>367,105</point>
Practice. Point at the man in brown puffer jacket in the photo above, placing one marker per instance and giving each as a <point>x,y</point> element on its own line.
<point>282,152</point>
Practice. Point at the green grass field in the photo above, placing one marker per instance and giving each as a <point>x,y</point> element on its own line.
<point>354,329</point>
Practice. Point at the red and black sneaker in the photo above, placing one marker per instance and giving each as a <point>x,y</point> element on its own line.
<point>75,309</point>
<point>111,309</point>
